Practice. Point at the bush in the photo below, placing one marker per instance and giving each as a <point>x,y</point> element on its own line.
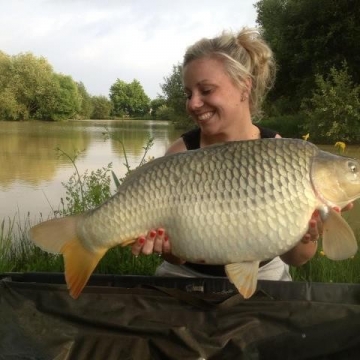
<point>290,126</point>
<point>333,111</point>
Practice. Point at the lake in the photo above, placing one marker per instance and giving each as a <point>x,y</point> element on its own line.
<point>31,171</point>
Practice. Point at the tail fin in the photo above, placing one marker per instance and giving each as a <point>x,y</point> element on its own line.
<point>53,234</point>
<point>60,236</point>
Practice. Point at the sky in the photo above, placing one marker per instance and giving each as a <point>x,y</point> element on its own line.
<point>99,41</point>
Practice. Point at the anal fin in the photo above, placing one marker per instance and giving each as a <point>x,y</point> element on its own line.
<point>244,276</point>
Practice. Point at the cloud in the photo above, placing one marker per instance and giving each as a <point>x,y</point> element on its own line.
<point>98,41</point>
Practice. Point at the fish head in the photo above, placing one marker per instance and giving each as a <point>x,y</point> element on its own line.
<point>336,179</point>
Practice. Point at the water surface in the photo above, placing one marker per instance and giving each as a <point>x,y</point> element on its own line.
<point>31,170</point>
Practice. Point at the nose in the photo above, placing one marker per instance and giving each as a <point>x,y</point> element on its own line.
<point>195,102</point>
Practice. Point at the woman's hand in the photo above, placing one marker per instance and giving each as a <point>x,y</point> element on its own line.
<point>156,241</point>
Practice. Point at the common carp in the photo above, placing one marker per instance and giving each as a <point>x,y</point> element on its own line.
<point>236,204</point>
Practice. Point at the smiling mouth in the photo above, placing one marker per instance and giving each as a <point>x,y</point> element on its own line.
<point>205,116</point>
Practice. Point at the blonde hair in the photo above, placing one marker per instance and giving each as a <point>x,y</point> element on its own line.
<point>245,55</point>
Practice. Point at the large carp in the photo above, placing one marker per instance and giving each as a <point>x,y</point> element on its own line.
<point>235,204</point>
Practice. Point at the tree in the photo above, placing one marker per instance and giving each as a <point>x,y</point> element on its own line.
<point>155,104</point>
<point>29,80</point>
<point>86,105</point>
<point>308,37</point>
<point>175,97</point>
<point>333,111</point>
<point>129,99</point>
<point>102,107</point>
<point>68,101</point>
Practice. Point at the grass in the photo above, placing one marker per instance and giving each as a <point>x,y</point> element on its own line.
<point>322,269</point>
<point>19,254</point>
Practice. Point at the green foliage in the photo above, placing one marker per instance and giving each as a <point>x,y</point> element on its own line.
<point>27,82</point>
<point>165,113</point>
<point>175,98</point>
<point>67,100</point>
<point>308,37</point>
<point>102,107</point>
<point>290,126</point>
<point>333,111</point>
<point>86,105</point>
<point>85,191</point>
<point>30,89</point>
<point>155,105</point>
<point>129,99</point>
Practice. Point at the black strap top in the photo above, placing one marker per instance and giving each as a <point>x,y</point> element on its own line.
<point>192,137</point>
<point>192,142</point>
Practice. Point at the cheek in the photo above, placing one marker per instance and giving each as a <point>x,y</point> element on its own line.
<point>187,108</point>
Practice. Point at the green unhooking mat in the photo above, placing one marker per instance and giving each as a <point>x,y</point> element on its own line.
<point>131,317</point>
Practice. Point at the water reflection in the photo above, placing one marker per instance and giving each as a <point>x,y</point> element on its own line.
<point>31,171</point>
<point>27,151</point>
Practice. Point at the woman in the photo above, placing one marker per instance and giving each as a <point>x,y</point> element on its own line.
<point>225,80</point>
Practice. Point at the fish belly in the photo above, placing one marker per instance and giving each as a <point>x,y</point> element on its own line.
<point>240,201</point>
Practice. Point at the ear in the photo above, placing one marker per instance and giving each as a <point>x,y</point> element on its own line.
<point>248,84</point>
<point>246,88</point>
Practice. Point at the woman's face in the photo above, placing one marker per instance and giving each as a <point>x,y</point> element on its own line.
<point>213,100</point>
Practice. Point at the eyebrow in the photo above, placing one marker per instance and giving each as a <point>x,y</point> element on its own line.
<point>202,82</point>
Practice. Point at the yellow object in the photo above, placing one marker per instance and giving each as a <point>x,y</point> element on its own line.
<point>340,145</point>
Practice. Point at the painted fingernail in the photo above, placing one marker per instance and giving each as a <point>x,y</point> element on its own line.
<point>160,232</point>
<point>313,224</point>
<point>141,240</point>
<point>166,238</point>
<point>152,233</point>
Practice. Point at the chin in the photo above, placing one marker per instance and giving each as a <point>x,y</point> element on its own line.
<point>209,129</point>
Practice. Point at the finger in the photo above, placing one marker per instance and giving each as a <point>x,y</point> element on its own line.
<point>313,233</point>
<point>306,239</point>
<point>148,247</point>
<point>319,226</point>
<point>313,230</point>
<point>166,247</point>
<point>138,245</point>
<point>159,240</point>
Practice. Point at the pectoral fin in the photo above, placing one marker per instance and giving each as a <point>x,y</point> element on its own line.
<point>338,240</point>
<point>244,276</point>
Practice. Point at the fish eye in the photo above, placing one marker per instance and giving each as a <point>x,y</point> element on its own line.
<point>353,168</point>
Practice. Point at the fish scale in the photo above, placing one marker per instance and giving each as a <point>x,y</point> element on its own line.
<point>235,204</point>
<point>188,182</point>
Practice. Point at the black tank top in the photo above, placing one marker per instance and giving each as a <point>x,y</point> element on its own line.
<point>192,142</point>
<point>192,137</point>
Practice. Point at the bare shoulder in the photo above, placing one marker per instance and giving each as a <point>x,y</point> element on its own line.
<point>176,147</point>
